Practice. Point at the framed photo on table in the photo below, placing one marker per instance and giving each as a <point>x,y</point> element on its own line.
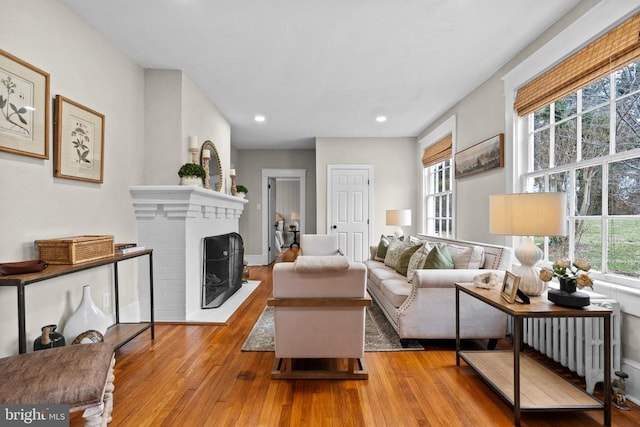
<point>79,147</point>
<point>24,107</point>
<point>510,287</point>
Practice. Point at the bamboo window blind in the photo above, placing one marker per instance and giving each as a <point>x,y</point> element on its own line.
<point>438,152</point>
<point>608,53</point>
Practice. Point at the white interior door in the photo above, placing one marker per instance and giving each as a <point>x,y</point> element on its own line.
<point>348,208</point>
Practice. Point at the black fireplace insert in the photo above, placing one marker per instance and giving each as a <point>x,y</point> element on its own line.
<point>222,263</point>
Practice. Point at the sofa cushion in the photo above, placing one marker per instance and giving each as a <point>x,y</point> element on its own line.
<point>417,260</point>
<point>396,290</point>
<point>439,258</point>
<point>382,248</point>
<point>395,249</point>
<point>466,257</point>
<point>381,274</point>
<point>403,262</point>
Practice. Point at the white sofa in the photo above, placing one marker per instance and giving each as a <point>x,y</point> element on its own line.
<point>425,308</point>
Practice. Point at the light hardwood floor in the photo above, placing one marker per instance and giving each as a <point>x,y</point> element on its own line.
<point>197,376</point>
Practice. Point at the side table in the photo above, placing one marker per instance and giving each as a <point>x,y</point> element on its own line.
<point>295,239</point>
<point>521,381</point>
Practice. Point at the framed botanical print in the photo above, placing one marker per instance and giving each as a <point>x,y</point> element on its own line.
<point>79,146</point>
<point>24,107</point>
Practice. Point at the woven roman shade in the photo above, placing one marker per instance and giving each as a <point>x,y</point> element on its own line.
<point>610,52</point>
<point>438,152</point>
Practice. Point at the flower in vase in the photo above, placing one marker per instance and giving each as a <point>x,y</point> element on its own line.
<point>565,270</point>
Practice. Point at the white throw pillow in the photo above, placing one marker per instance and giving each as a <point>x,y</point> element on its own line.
<point>467,257</point>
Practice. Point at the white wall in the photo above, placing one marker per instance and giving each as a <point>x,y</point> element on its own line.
<point>86,68</point>
<point>394,169</point>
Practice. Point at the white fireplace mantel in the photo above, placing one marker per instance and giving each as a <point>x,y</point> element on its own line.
<point>172,220</point>
<point>182,201</point>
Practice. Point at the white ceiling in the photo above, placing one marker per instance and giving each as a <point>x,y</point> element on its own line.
<point>325,68</point>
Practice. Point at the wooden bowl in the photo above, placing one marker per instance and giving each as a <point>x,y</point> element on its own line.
<point>22,267</point>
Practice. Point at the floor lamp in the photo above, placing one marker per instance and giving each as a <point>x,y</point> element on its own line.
<point>529,214</point>
<point>400,218</point>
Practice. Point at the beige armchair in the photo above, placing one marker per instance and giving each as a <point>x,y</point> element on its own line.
<point>319,313</point>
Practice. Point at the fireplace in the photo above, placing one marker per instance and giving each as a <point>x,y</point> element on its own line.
<point>222,264</point>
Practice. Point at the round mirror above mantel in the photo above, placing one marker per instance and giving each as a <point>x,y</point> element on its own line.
<point>215,166</point>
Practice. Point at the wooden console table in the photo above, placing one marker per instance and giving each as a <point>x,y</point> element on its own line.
<point>120,333</point>
<point>524,383</point>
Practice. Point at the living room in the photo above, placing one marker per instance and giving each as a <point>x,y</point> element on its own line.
<point>87,67</point>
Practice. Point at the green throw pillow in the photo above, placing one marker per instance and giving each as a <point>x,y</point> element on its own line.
<point>403,262</point>
<point>381,252</point>
<point>439,258</point>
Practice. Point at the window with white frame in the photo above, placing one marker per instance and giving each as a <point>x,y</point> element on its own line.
<point>588,144</point>
<point>438,199</point>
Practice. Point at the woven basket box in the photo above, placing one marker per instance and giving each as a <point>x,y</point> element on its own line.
<point>74,250</point>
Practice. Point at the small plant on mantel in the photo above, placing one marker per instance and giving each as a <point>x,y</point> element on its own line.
<point>191,170</point>
<point>241,189</point>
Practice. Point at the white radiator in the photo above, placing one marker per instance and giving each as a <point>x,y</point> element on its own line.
<point>576,343</point>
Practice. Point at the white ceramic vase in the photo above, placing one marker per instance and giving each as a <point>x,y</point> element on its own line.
<point>86,317</point>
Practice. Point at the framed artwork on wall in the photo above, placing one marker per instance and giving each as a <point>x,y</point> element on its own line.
<point>79,146</point>
<point>24,107</point>
<point>484,156</point>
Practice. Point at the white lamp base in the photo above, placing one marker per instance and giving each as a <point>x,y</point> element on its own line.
<point>529,255</point>
<point>398,233</point>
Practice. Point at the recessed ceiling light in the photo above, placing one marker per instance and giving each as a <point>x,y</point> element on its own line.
<point>381,119</point>
<point>259,118</point>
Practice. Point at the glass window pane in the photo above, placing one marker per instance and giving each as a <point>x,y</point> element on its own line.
<point>541,150</point>
<point>588,238</point>
<point>565,143</point>
<point>559,182</point>
<point>558,247</point>
<point>450,211</point>
<point>541,117</point>
<point>624,187</point>
<point>596,93</point>
<point>445,208</point>
<point>436,211</point>
<point>595,133</point>
<point>627,79</point>
<point>589,191</point>
<point>624,247</point>
<point>535,184</point>
<point>628,123</point>
<point>566,107</point>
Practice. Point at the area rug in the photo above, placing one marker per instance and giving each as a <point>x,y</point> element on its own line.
<point>379,334</point>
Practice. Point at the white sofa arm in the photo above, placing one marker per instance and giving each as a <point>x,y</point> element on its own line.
<point>448,278</point>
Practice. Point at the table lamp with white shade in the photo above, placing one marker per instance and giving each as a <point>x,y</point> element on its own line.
<point>295,217</point>
<point>400,218</point>
<point>528,214</point>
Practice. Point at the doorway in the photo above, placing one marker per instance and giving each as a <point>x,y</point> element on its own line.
<point>275,181</point>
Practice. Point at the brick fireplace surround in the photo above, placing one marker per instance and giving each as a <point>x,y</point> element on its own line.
<point>172,220</point>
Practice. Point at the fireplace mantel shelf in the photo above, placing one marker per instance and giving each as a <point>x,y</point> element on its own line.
<point>184,201</point>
